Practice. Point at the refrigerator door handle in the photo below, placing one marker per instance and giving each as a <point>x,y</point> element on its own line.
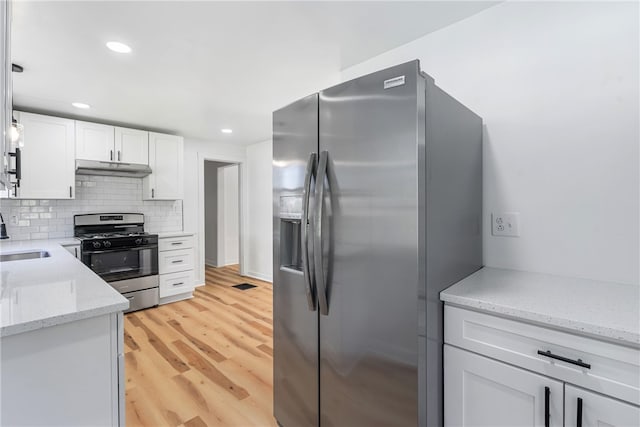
<point>317,237</point>
<point>304,226</point>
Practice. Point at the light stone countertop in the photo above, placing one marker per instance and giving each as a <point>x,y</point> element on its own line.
<point>605,310</point>
<point>43,292</point>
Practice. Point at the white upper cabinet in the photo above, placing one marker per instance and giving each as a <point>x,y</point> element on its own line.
<point>94,141</point>
<point>47,158</point>
<point>106,143</point>
<point>166,154</point>
<point>131,146</point>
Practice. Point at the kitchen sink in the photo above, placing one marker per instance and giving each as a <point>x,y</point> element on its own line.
<point>19,256</point>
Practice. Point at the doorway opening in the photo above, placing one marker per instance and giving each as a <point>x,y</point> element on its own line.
<point>221,214</point>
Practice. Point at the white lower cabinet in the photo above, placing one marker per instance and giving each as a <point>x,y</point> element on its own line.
<point>176,262</point>
<point>64,375</point>
<point>503,372</point>
<point>585,408</point>
<point>482,392</point>
<point>176,283</point>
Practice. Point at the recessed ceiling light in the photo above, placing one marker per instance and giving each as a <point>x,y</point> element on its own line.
<point>118,47</point>
<point>226,130</point>
<point>81,105</point>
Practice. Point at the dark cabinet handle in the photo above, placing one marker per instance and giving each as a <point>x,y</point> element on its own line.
<point>176,243</point>
<point>152,193</point>
<point>118,155</point>
<point>177,261</point>
<point>547,416</point>
<point>578,362</point>
<point>111,155</point>
<point>579,418</point>
<point>70,192</point>
<point>18,164</point>
<point>178,284</point>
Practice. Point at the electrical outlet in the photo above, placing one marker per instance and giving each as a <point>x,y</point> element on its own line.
<point>505,224</point>
<point>14,220</point>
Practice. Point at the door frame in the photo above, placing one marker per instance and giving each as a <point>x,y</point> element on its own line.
<point>242,192</point>
<point>221,253</point>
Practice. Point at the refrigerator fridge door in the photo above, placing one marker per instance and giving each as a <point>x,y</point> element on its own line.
<point>295,323</point>
<point>368,285</point>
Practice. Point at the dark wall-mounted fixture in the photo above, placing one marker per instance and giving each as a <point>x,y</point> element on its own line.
<point>17,68</point>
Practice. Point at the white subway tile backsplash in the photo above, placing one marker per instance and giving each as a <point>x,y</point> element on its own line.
<point>50,219</point>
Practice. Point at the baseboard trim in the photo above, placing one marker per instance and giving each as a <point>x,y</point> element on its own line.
<point>230,263</point>
<point>210,263</point>
<point>260,276</point>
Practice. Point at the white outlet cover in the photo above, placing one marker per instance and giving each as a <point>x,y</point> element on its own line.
<point>505,224</point>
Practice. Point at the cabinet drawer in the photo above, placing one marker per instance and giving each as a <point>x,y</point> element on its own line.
<point>171,243</point>
<point>613,369</point>
<point>174,261</point>
<point>176,283</point>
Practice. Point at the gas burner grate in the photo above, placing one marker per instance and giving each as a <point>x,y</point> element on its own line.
<point>244,286</point>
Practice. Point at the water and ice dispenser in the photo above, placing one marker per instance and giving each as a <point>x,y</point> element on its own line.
<point>291,232</point>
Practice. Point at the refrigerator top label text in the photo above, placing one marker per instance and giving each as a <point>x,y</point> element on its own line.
<point>396,81</point>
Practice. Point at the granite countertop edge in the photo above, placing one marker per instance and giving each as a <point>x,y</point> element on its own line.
<point>33,325</point>
<point>623,335</point>
<point>569,325</point>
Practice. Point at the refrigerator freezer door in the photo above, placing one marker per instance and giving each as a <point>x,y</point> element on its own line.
<point>369,338</point>
<point>295,323</point>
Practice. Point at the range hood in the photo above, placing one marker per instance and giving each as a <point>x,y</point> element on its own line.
<point>93,167</point>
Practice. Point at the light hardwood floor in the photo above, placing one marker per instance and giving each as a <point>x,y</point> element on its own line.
<point>205,361</point>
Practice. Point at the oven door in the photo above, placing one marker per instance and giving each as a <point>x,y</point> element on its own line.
<point>123,263</point>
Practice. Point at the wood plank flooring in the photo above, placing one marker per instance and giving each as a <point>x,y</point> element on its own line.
<point>207,361</point>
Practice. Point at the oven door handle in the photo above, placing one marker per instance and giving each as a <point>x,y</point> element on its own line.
<point>137,248</point>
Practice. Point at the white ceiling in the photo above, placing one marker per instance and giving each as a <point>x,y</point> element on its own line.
<point>197,67</point>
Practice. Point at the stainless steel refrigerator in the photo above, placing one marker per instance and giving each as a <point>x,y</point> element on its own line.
<point>377,198</point>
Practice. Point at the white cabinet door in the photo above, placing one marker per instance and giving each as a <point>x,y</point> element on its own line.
<point>175,261</point>
<point>94,141</point>
<point>131,146</point>
<point>176,283</point>
<point>62,375</point>
<point>166,162</point>
<point>479,391</point>
<point>597,410</point>
<point>48,158</point>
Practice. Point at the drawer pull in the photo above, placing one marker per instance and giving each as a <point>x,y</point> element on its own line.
<point>579,417</point>
<point>178,284</point>
<point>176,243</point>
<point>578,362</point>
<point>547,392</point>
<point>178,261</point>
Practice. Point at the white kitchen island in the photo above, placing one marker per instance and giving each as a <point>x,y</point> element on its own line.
<point>61,341</point>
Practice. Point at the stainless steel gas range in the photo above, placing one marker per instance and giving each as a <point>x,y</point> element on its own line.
<point>117,249</point>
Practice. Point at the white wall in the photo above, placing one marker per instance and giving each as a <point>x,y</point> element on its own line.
<point>229,212</point>
<point>557,86</point>
<point>195,153</point>
<point>259,225</point>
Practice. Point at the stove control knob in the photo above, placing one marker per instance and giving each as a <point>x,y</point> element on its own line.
<point>107,244</point>
<point>96,245</point>
<point>138,241</point>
